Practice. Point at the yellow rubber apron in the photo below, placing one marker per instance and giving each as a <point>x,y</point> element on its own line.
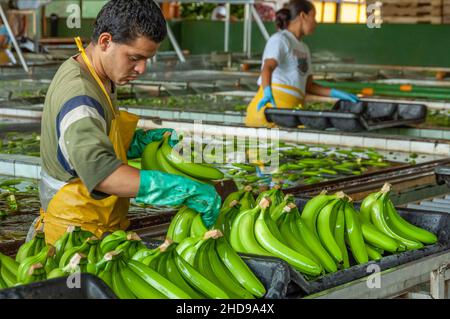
<point>72,204</point>
<point>283,99</point>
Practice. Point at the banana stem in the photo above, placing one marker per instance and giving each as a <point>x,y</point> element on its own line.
<point>234,203</point>
<point>248,188</point>
<point>386,188</point>
<point>340,195</point>
<point>264,203</point>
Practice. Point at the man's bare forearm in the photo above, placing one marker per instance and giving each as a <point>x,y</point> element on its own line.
<point>123,182</point>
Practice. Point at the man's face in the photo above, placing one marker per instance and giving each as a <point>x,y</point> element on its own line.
<point>125,62</point>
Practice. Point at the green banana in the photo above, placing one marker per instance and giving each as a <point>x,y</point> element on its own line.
<point>293,239</point>
<point>106,274</point>
<point>186,243</point>
<point>225,277</point>
<point>3,284</point>
<point>367,203</point>
<point>325,229</point>
<point>379,239</point>
<point>168,168</point>
<point>56,273</point>
<point>174,275</point>
<point>239,268</point>
<point>378,218</point>
<point>29,249</point>
<point>118,285</point>
<point>148,159</point>
<point>29,264</point>
<point>110,242</point>
<point>157,281</point>
<point>198,281</point>
<point>354,234</point>
<point>50,263</point>
<point>234,237</point>
<point>234,196</point>
<point>180,225</point>
<point>315,246</point>
<point>141,254</point>
<point>247,201</point>
<point>202,264</point>
<point>199,171</point>
<point>268,241</point>
<point>10,264</point>
<point>245,225</point>
<point>197,226</point>
<point>8,277</point>
<point>373,253</point>
<point>140,288</point>
<point>410,231</point>
<point>312,209</point>
<point>339,235</point>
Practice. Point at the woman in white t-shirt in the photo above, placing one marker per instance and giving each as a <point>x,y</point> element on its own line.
<point>286,75</point>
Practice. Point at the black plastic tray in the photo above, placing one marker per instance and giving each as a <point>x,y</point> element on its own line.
<point>438,223</point>
<point>92,287</point>
<point>347,116</point>
<point>443,175</point>
<point>273,273</point>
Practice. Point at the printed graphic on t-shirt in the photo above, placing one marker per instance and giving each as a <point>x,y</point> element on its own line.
<point>302,59</point>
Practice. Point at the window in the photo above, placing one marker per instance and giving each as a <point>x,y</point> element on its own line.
<point>343,11</point>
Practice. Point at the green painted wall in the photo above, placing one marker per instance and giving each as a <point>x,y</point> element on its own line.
<point>416,45</point>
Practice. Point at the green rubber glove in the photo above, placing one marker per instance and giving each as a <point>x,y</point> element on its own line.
<point>161,189</point>
<point>141,138</point>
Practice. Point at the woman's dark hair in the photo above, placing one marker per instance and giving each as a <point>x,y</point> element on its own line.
<point>282,18</point>
<point>292,9</point>
<point>126,20</point>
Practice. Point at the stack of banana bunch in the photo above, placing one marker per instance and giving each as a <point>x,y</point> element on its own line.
<point>327,236</point>
<point>160,156</point>
<point>37,261</point>
<point>203,267</point>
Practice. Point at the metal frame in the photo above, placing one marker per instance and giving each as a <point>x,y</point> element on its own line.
<point>13,40</point>
<point>250,12</point>
<point>399,281</point>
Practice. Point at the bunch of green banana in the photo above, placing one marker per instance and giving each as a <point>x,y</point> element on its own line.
<point>111,241</point>
<point>238,196</point>
<point>73,237</point>
<point>270,238</point>
<point>160,156</point>
<point>89,249</point>
<point>31,248</point>
<point>378,209</point>
<point>275,195</point>
<point>32,268</point>
<point>77,263</point>
<point>8,271</point>
<point>218,263</point>
<point>180,226</point>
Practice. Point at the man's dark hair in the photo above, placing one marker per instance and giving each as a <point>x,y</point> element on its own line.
<point>126,20</point>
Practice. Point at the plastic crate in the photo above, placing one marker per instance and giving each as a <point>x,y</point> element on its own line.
<point>443,175</point>
<point>91,287</point>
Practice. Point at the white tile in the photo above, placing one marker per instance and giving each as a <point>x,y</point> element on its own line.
<point>442,149</point>
<point>378,143</point>
<point>329,139</point>
<point>352,141</point>
<point>398,145</point>
<point>25,170</point>
<point>422,147</point>
<point>7,168</point>
<point>287,136</point>
<point>307,137</point>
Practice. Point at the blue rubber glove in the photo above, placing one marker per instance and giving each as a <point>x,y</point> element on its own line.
<point>142,138</point>
<point>344,96</point>
<point>267,98</point>
<point>161,189</point>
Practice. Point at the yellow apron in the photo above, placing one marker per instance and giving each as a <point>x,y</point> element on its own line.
<point>283,100</point>
<point>72,204</point>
